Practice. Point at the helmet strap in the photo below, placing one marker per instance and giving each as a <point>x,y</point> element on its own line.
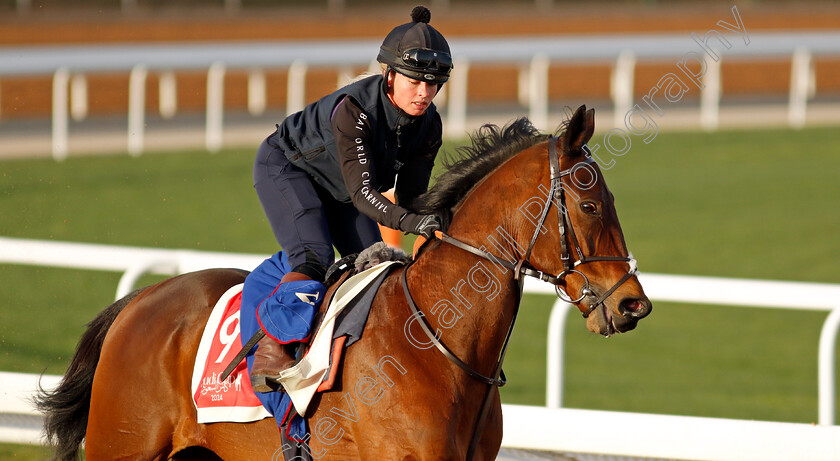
<point>386,74</point>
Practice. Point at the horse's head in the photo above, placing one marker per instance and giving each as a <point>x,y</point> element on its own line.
<point>596,272</point>
<point>557,220</point>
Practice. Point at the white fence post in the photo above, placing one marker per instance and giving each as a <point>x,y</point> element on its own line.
<point>802,85</point>
<point>344,75</point>
<point>442,98</point>
<point>523,84</point>
<point>256,92</point>
<point>136,109</point>
<point>456,108</point>
<point>827,390</point>
<point>538,91</point>
<point>215,106</point>
<point>78,97</point>
<point>710,96</point>
<point>60,98</point>
<point>129,279</point>
<point>555,356</point>
<point>296,87</point>
<point>167,94</point>
<point>621,85</point>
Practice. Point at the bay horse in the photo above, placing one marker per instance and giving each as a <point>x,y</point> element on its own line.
<point>127,395</point>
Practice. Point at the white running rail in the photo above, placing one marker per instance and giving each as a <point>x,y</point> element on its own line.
<point>552,428</point>
<point>729,292</point>
<point>558,429</point>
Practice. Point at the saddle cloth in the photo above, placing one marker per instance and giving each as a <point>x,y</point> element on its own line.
<point>233,400</point>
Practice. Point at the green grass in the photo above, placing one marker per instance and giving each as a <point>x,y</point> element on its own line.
<point>759,204</point>
<point>755,204</point>
<point>24,452</point>
<point>184,200</point>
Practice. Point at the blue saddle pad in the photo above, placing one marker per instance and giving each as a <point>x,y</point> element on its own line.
<point>259,284</point>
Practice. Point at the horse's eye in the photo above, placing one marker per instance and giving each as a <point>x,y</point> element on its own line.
<point>589,207</point>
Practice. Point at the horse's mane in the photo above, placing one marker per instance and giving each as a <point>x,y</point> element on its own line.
<point>491,146</point>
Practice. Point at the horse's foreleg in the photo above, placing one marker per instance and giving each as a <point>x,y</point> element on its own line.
<point>491,435</point>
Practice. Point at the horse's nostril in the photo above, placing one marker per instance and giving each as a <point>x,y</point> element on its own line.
<point>631,305</point>
<point>637,308</point>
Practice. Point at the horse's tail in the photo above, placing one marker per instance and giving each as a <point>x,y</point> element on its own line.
<point>66,408</point>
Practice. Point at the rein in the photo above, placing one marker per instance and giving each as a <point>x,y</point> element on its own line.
<point>424,324</point>
<point>523,267</point>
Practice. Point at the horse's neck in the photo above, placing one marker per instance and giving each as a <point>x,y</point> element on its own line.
<point>499,213</point>
<point>456,284</point>
<point>470,300</point>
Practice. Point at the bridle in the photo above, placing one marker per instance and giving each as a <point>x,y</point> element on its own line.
<point>556,197</point>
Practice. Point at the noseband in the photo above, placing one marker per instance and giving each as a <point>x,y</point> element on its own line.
<point>557,197</point>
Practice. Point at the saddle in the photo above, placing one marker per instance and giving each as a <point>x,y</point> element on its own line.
<point>342,270</point>
<point>336,275</point>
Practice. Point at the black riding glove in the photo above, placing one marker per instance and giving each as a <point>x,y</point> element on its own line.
<point>445,218</point>
<point>420,224</point>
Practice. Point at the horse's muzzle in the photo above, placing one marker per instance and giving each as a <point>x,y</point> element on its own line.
<point>630,311</point>
<point>635,308</point>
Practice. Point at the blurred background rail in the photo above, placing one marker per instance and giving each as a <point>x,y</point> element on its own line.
<point>86,106</point>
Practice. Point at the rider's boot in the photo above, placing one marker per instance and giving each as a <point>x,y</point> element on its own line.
<point>272,357</point>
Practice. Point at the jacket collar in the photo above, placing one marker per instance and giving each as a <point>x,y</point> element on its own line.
<point>394,116</point>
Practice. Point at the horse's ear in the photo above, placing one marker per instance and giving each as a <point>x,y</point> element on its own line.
<point>579,130</point>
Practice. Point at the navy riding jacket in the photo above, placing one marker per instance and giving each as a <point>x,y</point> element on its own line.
<point>356,144</point>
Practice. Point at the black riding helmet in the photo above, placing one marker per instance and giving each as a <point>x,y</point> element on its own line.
<point>417,50</point>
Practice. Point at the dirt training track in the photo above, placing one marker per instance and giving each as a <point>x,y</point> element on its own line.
<point>30,97</point>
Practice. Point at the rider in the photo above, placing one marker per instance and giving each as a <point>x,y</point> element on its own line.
<point>320,175</point>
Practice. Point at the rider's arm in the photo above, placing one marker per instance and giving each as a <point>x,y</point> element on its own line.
<point>353,138</point>
<point>418,166</point>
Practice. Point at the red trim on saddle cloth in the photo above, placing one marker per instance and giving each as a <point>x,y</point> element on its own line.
<point>288,425</point>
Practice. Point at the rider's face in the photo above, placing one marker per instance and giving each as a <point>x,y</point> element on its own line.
<point>410,95</point>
